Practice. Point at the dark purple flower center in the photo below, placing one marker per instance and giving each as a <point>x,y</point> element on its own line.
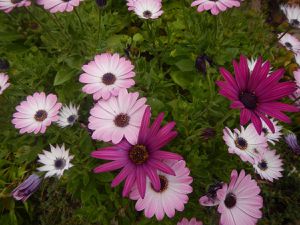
<point>138,154</point>
<point>147,14</point>
<point>101,3</point>
<point>59,164</point>
<point>248,99</point>
<point>295,22</point>
<point>263,165</point>
<point>241,143</point>
<point>71,119</point>
<point>230,200</point>
<point>212,190</point>
<point>122,120</point>
<point>108,79</point>
<point>40,115</point>
<point>288,45</point>
<point>163,184</point>
<point>16,1</point>
<point>66,0</point>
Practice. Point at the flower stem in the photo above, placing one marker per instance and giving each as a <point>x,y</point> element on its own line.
<point>99,27</point>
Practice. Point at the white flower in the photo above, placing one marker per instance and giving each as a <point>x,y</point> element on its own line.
<point>272,137</point>
<point>292,13</point>
<point>56,161</point>
<point>68,115</point>
<point>290,42</point>
<point>148,9</point>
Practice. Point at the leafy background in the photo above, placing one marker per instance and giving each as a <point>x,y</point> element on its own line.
<point>48,55</point>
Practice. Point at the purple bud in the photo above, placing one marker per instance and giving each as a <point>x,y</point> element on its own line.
<point>4,64</point>
<point>292,142</point>
<point>200,63</point>
<point>101,3</point>
<point>27,188</point>
<point>208,133</point>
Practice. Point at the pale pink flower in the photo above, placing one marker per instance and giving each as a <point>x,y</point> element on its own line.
<point>148,9</point>
<point>36,113</point>
<point>290,42</point>
<point>106,75</point>
<point>3,82</point>
<point>8,5</point>
<point>193,221</point>
<point>130,4</point>
<point>272,137</point>
<point>55,6</point>
<point>211,198</point>
<point>215,6</point>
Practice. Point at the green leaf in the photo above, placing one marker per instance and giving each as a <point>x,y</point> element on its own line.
<point>185,65</point>
<point>63,76</point>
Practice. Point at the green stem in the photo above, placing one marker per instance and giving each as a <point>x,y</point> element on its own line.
<point>77,14</point>
<point>99,27</point>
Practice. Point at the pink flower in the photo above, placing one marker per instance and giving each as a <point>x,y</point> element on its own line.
<point>130,4</point>
<point>256,94</point>
<point>3,82</point>
<point>290,42</point>
<point>8,5</point>
<point>215,6</point>
<point>240,202</point>
<point>171,196</point>
<point>296,95</point>
<point>142,159</point>
<point>193,221</point>
<point>107,75</point>
<point>36,113</point>
<point>118,117</point>
<point>55,6</point>
<point>211,198</point>
<point>148,9</point>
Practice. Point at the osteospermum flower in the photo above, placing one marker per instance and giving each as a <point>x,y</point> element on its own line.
<point>68,115</point>
<point>171,196</point>
<point>252,62</point>
<point>290,42</point>
<point>292,13</point>
<point>296,95</point>
<point>142,159</point>
<point>8,5</point>
<point>193,221</point>
<point>55,6</point>
<point>148,9</point>
<point>256,94</point>
<point>3,82</point>
<point>211,198</point>
<point>106,75</point>
<point>246,143</point>
<point>36,113</point>
<point>130,4</point>
<point>297,58</point>
<point>292,142</point>
<point>268,165</point>
<point>215,6</point>
<point>240,202</point>
<point>56,161</point>
<point>272,137</point>
<point>118,117</point>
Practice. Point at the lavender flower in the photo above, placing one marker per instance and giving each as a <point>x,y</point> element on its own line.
<point>292,142</point>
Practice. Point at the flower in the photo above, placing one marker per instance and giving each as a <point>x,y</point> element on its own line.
<point>27,188</point>
<point>36,113</point>
<point>130,4</point>
<point>55,6</point>
<point>296,95</point>
<point>148,9</point>
<point>142,159</point>
<point>68,115</point>
<point>215,6</point>
<point>292,13</point>
<point>211,199</point>
<point>246,143</point>
<point>268,165</point>
<point>3,82</point>
<point>8,5</point>
<point>292,142</point>
<point>56,161</point>
<point>252,62</point>
<point>240,202</point>
<point>171,196</point>
<point>297,58</point>
<point>193,221</point>
<point>290,42</point>
<point>256,93</point>
<point>272,137</point>
<point>107,75</point>
<point>118,117</point>
<point>4,64</point>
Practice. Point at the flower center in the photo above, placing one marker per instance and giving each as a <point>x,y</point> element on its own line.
<point>16,1</point>
<point>265,130</point>
<point>295,22</point>
<point>40,115</point>
<point>230,200</point>
<point>122,120</point>
<point>59,164</point>
<point>147,14</point>
<point>241,143</point>
<point>71,119</point>
<point>108,79</point>
<point>138,154</point>
<point>248,99</point>
<point>66,0</point>
<point>263,165</point>
<point>288,45</point>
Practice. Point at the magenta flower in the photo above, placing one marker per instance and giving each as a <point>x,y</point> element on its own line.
<point>257,94</point>
<point>8,5</point>
<point>215,6</point>
<point>193,221</point>
<point>142,159</point>
<point>55,6</point>
<point>240,202</point>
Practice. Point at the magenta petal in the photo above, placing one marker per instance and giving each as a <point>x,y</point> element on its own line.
<point>240,79</point>
<point>267,121</point>
<point>244,68</point>
<point>273,112</point>
<point>228,77</point>
<point>161,141</point>
<point>106,154</point>
<point>109,166</point>
<point>144,126</point>
<point>245,116</point>
<point>122,175</point>
<point>256,122</point>
<point>141,180</point>
<point>161,166</point>
<point>166,155</point>
<point>153,176</point>
<point>156,125</point>
<point>128,184</point>
<point>237,105</point>
<point>255,74</point>
<point>269,82</point>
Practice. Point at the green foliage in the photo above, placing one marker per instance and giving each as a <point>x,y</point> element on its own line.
<point>49,58</point>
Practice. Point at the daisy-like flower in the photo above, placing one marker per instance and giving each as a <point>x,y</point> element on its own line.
<point>142,159</point>
<point>3,82</point>
<point>292,13</point>
<point>290,42</point>
<point>171,196</point>
<point>268,165</point>
<point>36,113</point>
<point>55,6</point>
<point>130,4</point>
<point>56,161</point>
<point>193,221</point>
<point>118,117</point>
<point>256,94</point>
<point>240,202</point>
<point>211,198</point>
<point>215,6</point>
<point>272,137</point>
<point>246,143</point>
<point>68,115</point>
<point>292,142</point>
<point>8,5</point>
<point>148,9</point>
<point>106,75</point>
